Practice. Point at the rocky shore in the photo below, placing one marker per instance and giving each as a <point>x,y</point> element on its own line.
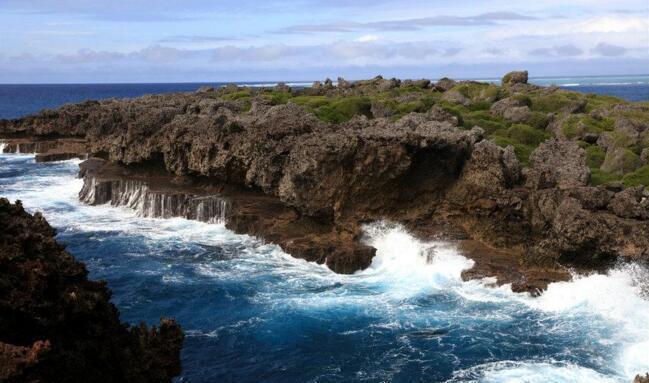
<point>58,326</point>
<point>528,181</point>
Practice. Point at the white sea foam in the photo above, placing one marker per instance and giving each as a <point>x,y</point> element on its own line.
<point>403,268</point>
<point>404,263</point>
<point>530,372</point>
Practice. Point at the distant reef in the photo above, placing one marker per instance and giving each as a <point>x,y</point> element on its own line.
<point>58,326</point>
<point>528,181</point>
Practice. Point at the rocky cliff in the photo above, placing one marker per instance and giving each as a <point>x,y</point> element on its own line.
<point>58,326</point>
<point>549,177</point>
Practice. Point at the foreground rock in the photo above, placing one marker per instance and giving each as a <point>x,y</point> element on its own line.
<point>310,166</point>
<point>57,326</point>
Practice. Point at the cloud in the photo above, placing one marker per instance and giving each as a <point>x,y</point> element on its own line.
<point>609,50</point>
<point>491,18</point>
<point>568,50</point>
<point>367,38</point>
<point>335,53</point>
<point>195,39</point>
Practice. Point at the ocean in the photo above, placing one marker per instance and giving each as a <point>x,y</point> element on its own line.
<point>252,313</point>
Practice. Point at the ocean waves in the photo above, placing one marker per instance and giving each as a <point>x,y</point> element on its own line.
<point>254,313</point>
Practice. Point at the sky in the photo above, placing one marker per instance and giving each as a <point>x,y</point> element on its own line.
<point>108,41</point>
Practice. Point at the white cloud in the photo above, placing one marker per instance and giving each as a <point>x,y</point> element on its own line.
<point>368,38</point>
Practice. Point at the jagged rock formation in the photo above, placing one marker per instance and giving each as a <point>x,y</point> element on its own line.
<point>519,167</point>
<point>58,326</point>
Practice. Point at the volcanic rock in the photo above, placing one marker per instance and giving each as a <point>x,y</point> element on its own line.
<point>58,326</point>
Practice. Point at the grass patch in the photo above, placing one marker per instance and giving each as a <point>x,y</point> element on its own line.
<point>599,177</point>
<point>485,120</point>
<point>553,102</point>
<point>576,125</point>
<point>343,109</point>
<point>595,156</point>
<point>638,177</point>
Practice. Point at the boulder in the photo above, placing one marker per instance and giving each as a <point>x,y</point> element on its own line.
<point>631,203</point>
<point>557,164</point>
<point>620,161</point>
<point>444,84</point>
<point>205,89</point>
<point>512,78</point>
<point>499,108</point>
<point>456,97</point>
<point>436,113</point>
<point>344,84</point>
<point>518,114</point>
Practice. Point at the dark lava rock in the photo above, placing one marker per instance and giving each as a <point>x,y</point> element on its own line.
<point>558,164</point>
<point>58,326</point>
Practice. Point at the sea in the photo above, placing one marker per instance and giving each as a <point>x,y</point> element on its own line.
<point>252,313</point>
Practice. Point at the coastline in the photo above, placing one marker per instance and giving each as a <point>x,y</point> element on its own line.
<point>316,217</point>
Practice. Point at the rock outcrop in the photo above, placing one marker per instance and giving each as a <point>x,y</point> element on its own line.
<point>507,166</point>
<point>513,78</point>
<point>58,326</point>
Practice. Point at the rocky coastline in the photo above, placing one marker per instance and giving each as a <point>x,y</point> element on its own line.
<point>58,326</point>
<point>528,181</point>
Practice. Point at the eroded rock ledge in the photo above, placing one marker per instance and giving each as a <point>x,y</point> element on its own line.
<point>58,326</point>
<point>306,174</point>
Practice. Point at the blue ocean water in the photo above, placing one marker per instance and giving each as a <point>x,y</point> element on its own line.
<point>20,100</point>
<point>254,314</point>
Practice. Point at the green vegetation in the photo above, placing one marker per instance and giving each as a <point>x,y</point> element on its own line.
<point>582,114</point>
<point>638,177</point>
<point>343,109</point>
<point>523,138</point>
<point>553,102</point>
<point>600,177</point>
<point>487,121</point>
<point>579,124</point>
<point>595,156</point>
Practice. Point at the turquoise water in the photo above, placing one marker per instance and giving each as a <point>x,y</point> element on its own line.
<point>254,314</point>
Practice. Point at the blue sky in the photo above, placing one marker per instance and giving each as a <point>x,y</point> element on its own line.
<point>62,41</point>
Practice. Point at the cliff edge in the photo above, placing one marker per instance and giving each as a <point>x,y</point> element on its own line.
<point>58,326</point>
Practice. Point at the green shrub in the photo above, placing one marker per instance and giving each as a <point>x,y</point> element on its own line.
<point>278,98</point>
<point>522,151</point>
<point>595,101</point>
<point>343,109</point>
<point>638,177</point>
<point>524,134</point>
<point>595,156</point>
<point>553,102</point>
<point>522,98</point>
<point>311,102</point>
<point>578,124</point>
<point>479,105</point>
<point>485,120</point>
<point>599,177</point>
<point>236,95</point>
<point>538,120</point>
<point>455,109</point>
